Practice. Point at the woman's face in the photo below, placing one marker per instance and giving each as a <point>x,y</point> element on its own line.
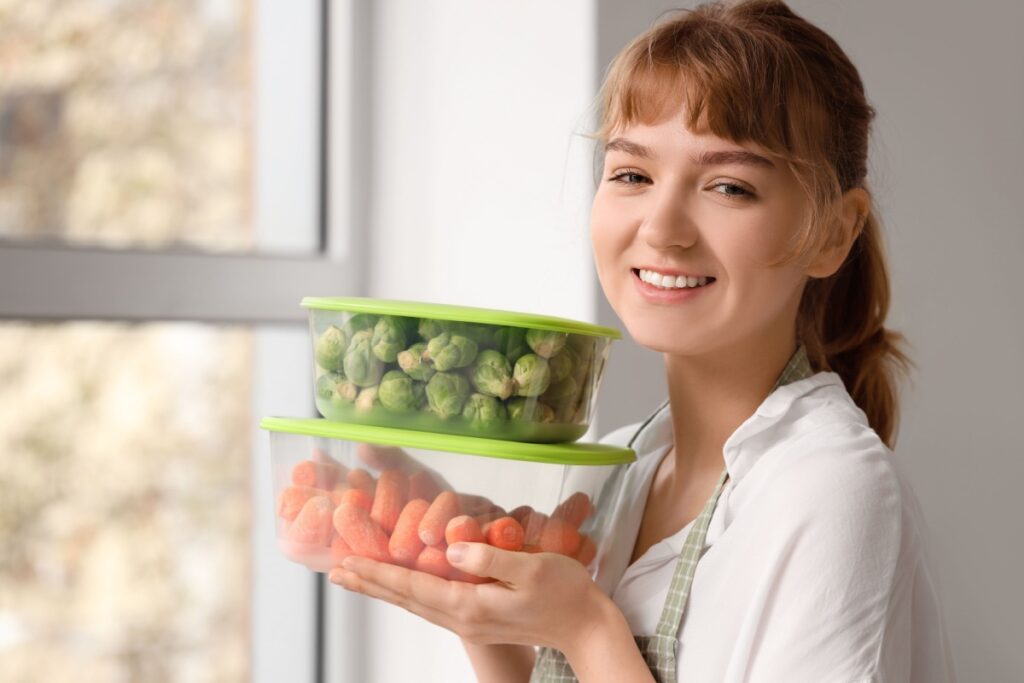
<point>675,203</point>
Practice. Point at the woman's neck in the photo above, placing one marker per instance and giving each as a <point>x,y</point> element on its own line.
<point>711,395</point>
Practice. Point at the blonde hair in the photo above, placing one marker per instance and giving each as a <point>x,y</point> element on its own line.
<point>756,72</point>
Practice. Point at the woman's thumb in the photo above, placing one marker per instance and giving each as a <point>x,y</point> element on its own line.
<point>482,559</point>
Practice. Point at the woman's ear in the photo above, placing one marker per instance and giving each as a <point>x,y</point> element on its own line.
<point>856,204</point>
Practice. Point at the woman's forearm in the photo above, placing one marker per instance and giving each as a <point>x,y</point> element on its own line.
<point>606,652</point>
<point>500,663</point>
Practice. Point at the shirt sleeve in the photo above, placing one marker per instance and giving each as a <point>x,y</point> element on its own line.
<point>837,536</point>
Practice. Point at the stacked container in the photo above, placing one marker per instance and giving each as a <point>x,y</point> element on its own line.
<point>444,424</point>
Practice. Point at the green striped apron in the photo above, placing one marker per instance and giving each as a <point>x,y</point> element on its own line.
<point>659,649</point>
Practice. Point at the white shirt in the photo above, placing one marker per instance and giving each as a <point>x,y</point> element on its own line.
<point>814,568</point>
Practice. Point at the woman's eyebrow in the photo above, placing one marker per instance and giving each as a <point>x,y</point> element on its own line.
<point>705,158</point>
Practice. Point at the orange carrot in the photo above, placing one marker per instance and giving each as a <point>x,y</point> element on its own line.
<point>312,525</point>
<point>422,485</point>
<point>361,479</point>
<point>489,516</point>
<point>291,500</point>
<point>358,497</point>
<point>575,509</point>
<point>389,499</point>
<point>463,528</point>
<point>587,551</point>
<point>432,527</point>
<point>559,536</point>
<point>533,524</point>
<point>322,475</point>
<point>361,533</point>
<point>505,533</point>
<point>432,560</point>
<point>337,492</point>
<point>339,550</point>
<point>405,544</point>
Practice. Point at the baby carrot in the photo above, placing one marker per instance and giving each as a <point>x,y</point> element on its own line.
<point>533,524</point>
<point>339,550</point>
<point>432,560</point>
<point>291,500</point>
<point>463,528</point>
<point>422,485</point>
<point>357,497</point>
<point>432,527</point>
<point>361,479</point>
<point>389,499</point>
<point>505,533</point>
<point>361,533</point>
<point>587,551</point>
<point>559,536</point>
<point>312,525</point>
<point>489,516</point>
<point>338,491</point>
<point>322,475</point>
<point>575,509</point>
<point>405,544</point>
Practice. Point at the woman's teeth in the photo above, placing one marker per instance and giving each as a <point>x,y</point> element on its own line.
<point>672,281</point>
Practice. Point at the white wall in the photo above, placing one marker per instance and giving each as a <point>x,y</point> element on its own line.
<point>479,195</point>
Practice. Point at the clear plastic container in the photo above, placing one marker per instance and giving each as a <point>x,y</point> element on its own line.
<point>456,370</point>
<point>401,496</point>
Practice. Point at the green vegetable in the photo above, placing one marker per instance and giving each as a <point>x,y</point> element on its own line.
<point>327,383</point>
<point>428,329</point>
<point>447,393</point>
<point>388,338</point>
<point>532,375</point>
<point>492,374</point>
<point>484,412</point>
<point>563,363</point>
<point>527,409</point>
<point>511,341</point>
<point>400,393</point>
<point>561,391</point>
<point>361,365</point>
<point>330,349</point>
<point>544,343</point>
<point>412,363</point>
<point>367,399</point>
<point>358,323</point>
<point>449,351</point>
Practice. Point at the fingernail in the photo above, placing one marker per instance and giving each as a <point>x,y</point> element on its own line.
<point>457,552</point>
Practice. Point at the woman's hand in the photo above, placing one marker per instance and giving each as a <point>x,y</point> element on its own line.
<point>538,599</point>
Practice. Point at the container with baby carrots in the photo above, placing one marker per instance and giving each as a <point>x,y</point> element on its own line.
<point>401,496</point>
<point>455,369</point>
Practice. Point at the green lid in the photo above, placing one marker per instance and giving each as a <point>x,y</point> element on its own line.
<point>488,316</point>
<point>556,453</point>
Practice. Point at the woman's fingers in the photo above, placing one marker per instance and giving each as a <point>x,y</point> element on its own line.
<point>481,559</point>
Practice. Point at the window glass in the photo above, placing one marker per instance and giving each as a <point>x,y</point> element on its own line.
<point>126,502</point>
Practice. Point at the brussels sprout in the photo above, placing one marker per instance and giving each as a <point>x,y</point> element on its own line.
<point>511,341</point>
<point>449,351</point>
<point>428,329</point>
<point>361,366</point>
<point>563,363</point>
<point>388,338</point>
<point>358,323</point>
<point>447,393</point>
<point>483,335</point>
<point>561,391</point>
<point>492,374</point>
<point>544,343</point>
<point>484,411</point>
<point>400,392</point>
<point>411,361</point>
<point>366,399</point>
<point>532,375</point>
<point>330,349</point>
<point>525,409</point>
<point>326,384</point>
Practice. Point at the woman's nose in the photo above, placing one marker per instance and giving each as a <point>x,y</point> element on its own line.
<point>668,223</point>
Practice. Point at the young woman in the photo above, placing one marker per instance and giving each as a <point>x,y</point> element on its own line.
<point>765,534</point>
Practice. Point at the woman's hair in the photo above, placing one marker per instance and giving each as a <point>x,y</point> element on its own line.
<point>756,72</point>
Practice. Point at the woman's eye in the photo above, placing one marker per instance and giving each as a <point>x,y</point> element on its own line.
<point>734,190</point>
<point>628,178</point>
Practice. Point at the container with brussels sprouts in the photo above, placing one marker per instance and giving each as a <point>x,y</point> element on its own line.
<point>456,370</point>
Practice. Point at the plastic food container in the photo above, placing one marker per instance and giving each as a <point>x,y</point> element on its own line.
<point>401,496</point>
<point>456,370</point>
